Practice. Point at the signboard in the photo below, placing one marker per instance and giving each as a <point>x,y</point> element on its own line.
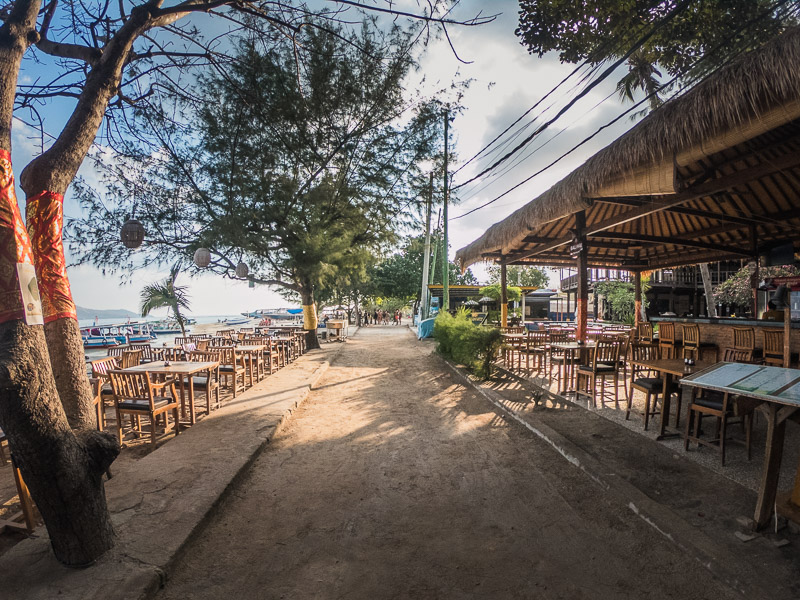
<point>575,249</point>
<point>31,300</point>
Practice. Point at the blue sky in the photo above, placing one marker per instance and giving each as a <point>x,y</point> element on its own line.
<point>506,81</point>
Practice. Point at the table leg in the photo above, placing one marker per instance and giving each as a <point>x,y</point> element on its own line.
<point>192,413</point>
<point>182,388</point>
<point>768,487</point>
<point>665,406</point>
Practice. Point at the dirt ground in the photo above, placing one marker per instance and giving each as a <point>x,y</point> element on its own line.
<point>394,481</point>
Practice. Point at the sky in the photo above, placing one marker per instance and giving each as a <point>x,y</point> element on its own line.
<point>505,82</point>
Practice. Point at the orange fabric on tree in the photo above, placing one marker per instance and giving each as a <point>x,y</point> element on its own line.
<point>15,246</point>
<point>45,212</point>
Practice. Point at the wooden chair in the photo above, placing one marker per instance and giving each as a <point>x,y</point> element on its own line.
<point>644,380</point>
<point>644,333</point>
<point>198,337</point>
<point>136,395</point>
<point>556,356</point>
<point>202,345</point>
<point>208,383</point>
<point>707,403</point>
<point>535,345</point>
<point>225,333</point>
<point>172,354</point>
<point>131,358</point>
<point>232,368</point>
<point>99,405</point>
<point>180,341</point>
<point>744,338</point>
<point>115,351</point>
<point>100,370</point>
<point>773,346</point>
<point>666,340</point>
<point>604,364</point>
<point>147,351</point>
<point>692,346</point>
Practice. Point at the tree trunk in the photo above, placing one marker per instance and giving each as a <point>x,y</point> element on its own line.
<point>62,470</point>
<point>45,215</point>
<point>309,314</point>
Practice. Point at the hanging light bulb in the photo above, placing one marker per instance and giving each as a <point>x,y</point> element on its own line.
<point>132,233</point>
<point>202,257</point>
<point>242,270</point>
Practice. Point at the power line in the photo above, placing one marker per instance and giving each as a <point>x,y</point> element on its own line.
<point>705,56</point>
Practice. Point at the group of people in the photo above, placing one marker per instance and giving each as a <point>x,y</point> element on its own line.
<point>383,317</point>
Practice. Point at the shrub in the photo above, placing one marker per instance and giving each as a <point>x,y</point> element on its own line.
<point>474,346</point>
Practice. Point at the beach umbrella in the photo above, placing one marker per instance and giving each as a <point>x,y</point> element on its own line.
<point>471,303</point>
<point>486,300</point>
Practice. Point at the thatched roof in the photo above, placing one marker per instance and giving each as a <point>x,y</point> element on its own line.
<point>756,93</point>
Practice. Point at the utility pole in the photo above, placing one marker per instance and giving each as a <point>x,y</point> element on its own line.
<point>423,308</point>
<point>445,265</point>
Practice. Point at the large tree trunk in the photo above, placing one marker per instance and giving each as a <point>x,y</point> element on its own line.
<point>309,315</point>
<point>45,215</point>
<point>62,470</point>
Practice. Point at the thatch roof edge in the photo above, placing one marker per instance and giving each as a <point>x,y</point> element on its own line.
<point>734,95</point>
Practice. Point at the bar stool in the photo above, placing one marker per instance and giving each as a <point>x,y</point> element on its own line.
<point>693,347</point>
<point>666,340</point>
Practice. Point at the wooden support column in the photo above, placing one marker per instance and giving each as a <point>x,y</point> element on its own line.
<point>637,298</point>
<point>756,277</point>
<point>582,296</point>
<point>503,296</point>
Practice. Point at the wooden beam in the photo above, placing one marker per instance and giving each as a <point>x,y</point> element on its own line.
<point>636,237</point>
<point>582,295</point>
<point>661,203</point>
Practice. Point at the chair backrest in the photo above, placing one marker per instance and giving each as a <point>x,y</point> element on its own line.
<point>643,352</point>
<point>511,329</point>
<point>537,339</point>
<point>131,358</point>
<point>737,355</point>
<point>246,329</point>
<point>102,366</point>
<point>606,352</point>
<point>558,336</point>
<point>115,351</point>
<point>147,350</point>
<point>645,332</point>
<point>173,354</point>
<point>196,337</point>
<point>189,347</point>
<point>227,355</point>
<point>200,356</point>
<point>744,338</point>
<point>132,385</point>
<point>773,344</point>
<point>219,341</point>
<point>691,336</point>
<point>666,333</point>
<point>180,341</point>
<point>203,345</point>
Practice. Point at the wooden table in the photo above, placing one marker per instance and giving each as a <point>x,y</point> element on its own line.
<point>252,351</point>
<point>182,371</point>
<point>572,351</point>
<point>669,368</point>
<point>777,390</point>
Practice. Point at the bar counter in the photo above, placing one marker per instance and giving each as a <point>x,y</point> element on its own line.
<point>720,331</point>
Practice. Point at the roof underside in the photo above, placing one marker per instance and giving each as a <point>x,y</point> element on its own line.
<point>729,193</point>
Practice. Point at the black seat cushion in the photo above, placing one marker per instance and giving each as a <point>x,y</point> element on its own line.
<point>201,383</point>
<point>144,405</point>
<point>651,384</point>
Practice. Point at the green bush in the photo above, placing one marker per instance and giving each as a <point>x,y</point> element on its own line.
<point>474,346</point>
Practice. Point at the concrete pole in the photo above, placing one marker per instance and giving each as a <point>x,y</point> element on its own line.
<point>503,296</point>
<point>582,295</point>
<point>445,252</point>
<point>423,308</point>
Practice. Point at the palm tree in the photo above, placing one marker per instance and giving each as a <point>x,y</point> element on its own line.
<point>166,293</point>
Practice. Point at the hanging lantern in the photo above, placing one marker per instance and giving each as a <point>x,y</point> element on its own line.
<point>202,257</point>
<point>132,233</point>
<point>242,270</point>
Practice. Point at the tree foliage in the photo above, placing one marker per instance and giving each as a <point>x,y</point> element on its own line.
<point>621,298</point>
<point>165,294</point>
<point>303,174</point>
<point>520,276</point>
<point>597,30</point>
<point>493,291</point>
<point>738,289</point>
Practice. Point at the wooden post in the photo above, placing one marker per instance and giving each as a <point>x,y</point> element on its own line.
<point>754,280</point>
<point>582,295</point>
<point>637,298</point>
<point>503,296</point>
<point>787,331</point>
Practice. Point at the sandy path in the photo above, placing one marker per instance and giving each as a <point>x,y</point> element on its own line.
<point>393,481</point>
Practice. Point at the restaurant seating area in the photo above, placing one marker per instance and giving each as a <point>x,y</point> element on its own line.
<point>636,372</point>
<point>144,392</point>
